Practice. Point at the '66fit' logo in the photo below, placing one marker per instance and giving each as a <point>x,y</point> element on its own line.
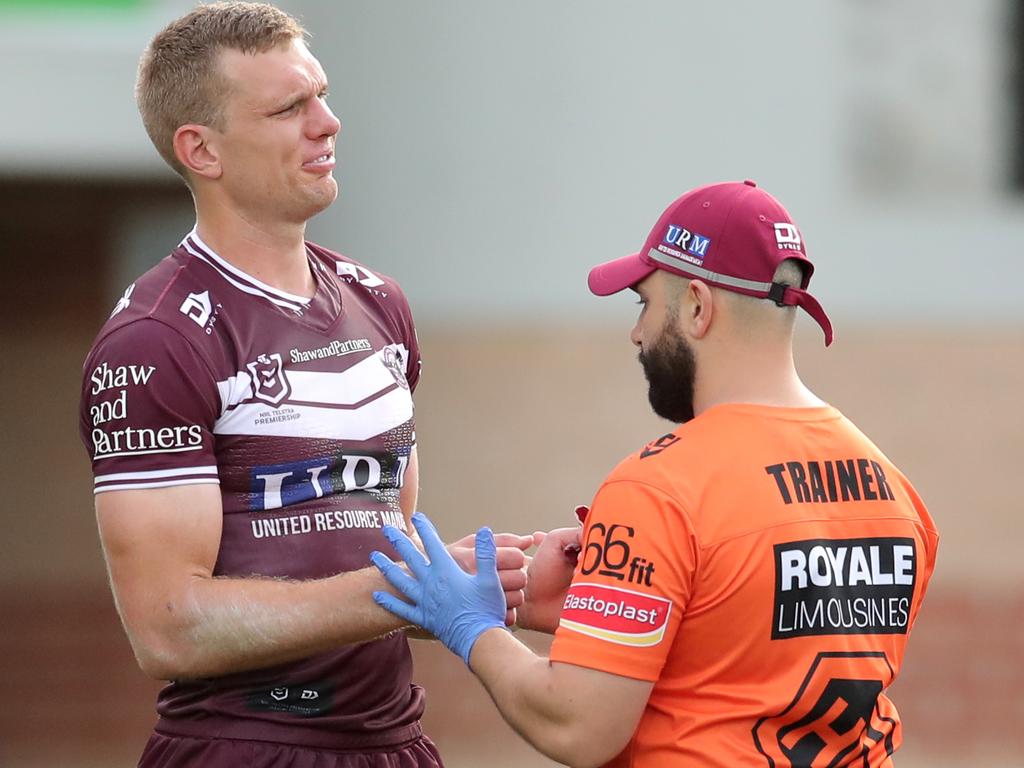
<point>608,551</point>
<point>617,615</point>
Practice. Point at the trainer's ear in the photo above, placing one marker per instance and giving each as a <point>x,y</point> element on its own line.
<point>196,149</point>
<point>697,309</point>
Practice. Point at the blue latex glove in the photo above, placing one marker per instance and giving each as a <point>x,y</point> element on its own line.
<point>454,606</point>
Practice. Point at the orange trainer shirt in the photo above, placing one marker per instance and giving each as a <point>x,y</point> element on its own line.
<point>763,567</point>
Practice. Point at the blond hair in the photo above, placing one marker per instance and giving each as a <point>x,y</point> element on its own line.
<point>179,81</point>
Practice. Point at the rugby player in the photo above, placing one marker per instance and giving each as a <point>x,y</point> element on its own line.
<point>248,411</point>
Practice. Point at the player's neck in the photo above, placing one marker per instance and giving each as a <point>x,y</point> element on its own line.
<point>273,253</point>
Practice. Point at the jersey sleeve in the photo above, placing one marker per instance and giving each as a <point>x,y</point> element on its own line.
<point>632,583</point>
<point>148,409</point>
<point>413,363</point>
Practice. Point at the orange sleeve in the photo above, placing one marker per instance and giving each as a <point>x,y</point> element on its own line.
<point>631,585</point>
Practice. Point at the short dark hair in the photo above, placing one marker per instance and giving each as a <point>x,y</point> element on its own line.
<point>789,272</point>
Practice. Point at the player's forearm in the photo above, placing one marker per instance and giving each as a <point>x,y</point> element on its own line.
<point>224,625</point>
<point>527,691</point>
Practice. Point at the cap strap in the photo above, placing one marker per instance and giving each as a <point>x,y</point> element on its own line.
<point>777,293</point>
<point>810,305</point>
<point>707,274</point>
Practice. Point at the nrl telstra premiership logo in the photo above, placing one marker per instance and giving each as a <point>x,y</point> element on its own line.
<point>269,382</point>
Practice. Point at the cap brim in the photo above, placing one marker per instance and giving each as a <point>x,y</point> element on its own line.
<point>618,274</point>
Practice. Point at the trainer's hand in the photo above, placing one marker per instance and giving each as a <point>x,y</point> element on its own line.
<point>454,606</point>
<point>512,562</point>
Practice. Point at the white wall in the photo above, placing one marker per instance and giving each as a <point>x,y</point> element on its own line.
<point>492,151</point>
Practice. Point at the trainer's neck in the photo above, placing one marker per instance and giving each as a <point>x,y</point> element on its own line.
<point>272,252</point>
<point>755,376</point>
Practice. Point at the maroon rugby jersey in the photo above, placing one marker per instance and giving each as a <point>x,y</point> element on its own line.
<point>301,409</point>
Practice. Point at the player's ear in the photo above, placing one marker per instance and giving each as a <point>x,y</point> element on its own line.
<point>697,308</point>
<point>195,148</point>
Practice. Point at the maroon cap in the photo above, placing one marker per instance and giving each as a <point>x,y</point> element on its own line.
<point>731,235</point>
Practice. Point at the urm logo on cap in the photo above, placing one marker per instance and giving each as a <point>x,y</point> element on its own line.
<point>692,243</point>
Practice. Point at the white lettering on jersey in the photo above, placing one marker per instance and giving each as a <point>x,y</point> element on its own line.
<point>336,348</point>
<point>827,565</point>
<point>104,377</point>
<point>283,485</point>
<point>136,441</point>
<point>352,464</point>
<point>332,520</point>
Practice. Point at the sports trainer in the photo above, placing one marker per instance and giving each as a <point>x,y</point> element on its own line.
<point>248,411</point>
<point>747,581</point>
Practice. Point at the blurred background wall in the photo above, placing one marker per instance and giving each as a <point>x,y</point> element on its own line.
<point>491,152</point>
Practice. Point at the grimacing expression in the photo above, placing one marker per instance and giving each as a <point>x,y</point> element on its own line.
<point>277,143</point>
<point>671,370</point>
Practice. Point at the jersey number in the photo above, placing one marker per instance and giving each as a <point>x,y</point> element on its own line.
<point>833,720</point>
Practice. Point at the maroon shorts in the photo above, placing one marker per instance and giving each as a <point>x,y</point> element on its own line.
<point>163,751</point>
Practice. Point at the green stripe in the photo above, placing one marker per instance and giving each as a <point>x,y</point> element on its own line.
<point>49,5</point>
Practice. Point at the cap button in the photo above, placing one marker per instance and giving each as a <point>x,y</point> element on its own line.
<point>750,182</point>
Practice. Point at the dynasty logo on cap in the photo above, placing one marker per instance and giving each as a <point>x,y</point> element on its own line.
<point>787,237</point>
<point>690,246</point>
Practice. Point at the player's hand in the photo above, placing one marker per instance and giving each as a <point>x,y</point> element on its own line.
<point>454,606</point>
<point>549,576</point>
<point>512,563</point>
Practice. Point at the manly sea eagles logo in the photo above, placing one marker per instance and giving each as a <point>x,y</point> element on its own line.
<point>269,383</point>
<point>393,361</point>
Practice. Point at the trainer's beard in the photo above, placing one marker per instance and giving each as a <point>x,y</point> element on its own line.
<point>671,369</point>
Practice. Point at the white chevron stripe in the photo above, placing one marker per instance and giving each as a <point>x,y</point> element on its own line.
<point>208,470</point>
<point>375,417</point>
<point>361,381</point>
<point>165,484</point>
<point>358,383</point>
<point>102,456</point>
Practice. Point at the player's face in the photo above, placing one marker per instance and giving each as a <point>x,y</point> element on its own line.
<point>277,147</point>
<point>667,358</point>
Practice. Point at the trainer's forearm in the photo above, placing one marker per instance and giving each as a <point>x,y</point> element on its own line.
<point>527,691</point>
<point>226,625</point>
<point>540,618</point>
